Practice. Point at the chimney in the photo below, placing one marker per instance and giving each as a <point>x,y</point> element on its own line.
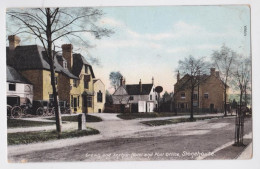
<point>124,82</point>
<point>212,71</point>
<point>152,80</point>
<point>140,85</point>
<point>121,80</point>
<point>67,54</point>
<point>13,41</point>
<point>217,74</point>
<point>178,76</point>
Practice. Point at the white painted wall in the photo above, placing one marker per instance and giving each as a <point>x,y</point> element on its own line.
<point>22,90</point>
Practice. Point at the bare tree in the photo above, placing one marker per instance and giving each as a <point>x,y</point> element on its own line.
<point>193,68</point>
<point>114,78</point>
<point>49,25</point>
<point>224,61</point>
<point>242,79</point>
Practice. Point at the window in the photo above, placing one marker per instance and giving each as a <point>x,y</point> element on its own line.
<point>86,81</point>
<point>74,82</point>
<point>86,69</point>
<point>195,96</point>
<point>78,101</point>
<point>89,101</point>
<point>131,98</point>
<point>71,101</point>
<point>156,97</point>
<point>151,97</point>
<point>56,80</point>
<point>182,105</point>
<point>65,64</point>
<point>183,95</point>
<point>206,95</point>
<point>85,101</point>
<point>99,96</point>
<point>12,87</point>
<point>153,89</point>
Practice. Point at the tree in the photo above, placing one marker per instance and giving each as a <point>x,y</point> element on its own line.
<point>242,78</point>
<point>224,61</point>
<point>49,25</point>
<point>114,78</point>
<point>193,68</point>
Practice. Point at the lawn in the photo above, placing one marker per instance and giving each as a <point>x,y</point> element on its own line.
<point>13,123</point>
<point>175,121</point>
<point>130,116</point>
<point>73,118</point>
<point>41,136</point>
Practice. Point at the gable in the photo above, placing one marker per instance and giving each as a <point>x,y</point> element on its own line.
<point>120,91</point>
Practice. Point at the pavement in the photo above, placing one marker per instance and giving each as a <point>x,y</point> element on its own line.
<point>114,130</point>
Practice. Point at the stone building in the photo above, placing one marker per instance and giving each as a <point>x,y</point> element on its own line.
<point>208,93</point>
<point>73,74</point>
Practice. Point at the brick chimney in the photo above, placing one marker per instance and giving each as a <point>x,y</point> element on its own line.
<point>13,41</point>
<point>124,82</point>
<point>217,74</point>
<point>178,76</point>
<point>67,54</point>
<point>121,80</point>
<point>140,85</point>
<point>212,71</point>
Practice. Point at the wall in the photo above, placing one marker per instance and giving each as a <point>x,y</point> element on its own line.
<point>22,90</point>
<point>36,78</point>
<point>99,86</point>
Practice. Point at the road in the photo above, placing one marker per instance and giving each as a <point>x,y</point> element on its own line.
<point>183,141</point>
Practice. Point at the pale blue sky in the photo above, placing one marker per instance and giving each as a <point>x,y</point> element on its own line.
<point>149,41</point>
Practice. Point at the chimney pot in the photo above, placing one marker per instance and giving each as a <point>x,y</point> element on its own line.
<point>140,85</point>
<point>212,71</point>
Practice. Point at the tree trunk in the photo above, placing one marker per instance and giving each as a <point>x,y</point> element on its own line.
<point>191,104</point>
<point>51,62</point>
<point>225,100</point>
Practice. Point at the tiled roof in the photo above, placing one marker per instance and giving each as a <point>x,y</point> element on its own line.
<point>13,76</point>
<point>34,57</point>
<point>134,89</point>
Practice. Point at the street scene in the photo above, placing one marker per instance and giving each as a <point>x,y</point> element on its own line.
<point>98,84</point>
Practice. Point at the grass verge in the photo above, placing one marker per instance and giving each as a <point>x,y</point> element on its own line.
<point>41,136</point>
<point>13,123</point>
<point>130,116</point>
<point>73,118</point>
<point>175,121</point>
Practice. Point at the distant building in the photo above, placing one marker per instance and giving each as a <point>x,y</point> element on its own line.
<point>99,96</point>
<point>136,97</point>
<point>208,94</point>
<point>19,89</point>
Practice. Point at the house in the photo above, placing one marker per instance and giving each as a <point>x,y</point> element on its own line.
<point>136,97</point>
<point>99,96</point>
<point>208,93</point>
<point>19,89</point>
<point>73,74</point>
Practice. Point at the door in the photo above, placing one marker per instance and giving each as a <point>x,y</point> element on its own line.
<point>150,107</point>
<point>75,103</point>
<point>141,106</point>
<point>211,107</point>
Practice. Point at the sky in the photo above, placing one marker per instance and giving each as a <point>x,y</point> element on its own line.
<point>149,41</point>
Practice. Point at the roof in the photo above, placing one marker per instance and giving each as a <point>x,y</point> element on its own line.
<point>184,81</point>
<point>34,57</point>
<point>134,89</point>
<point>13,76</point>
<point>78,62</point>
